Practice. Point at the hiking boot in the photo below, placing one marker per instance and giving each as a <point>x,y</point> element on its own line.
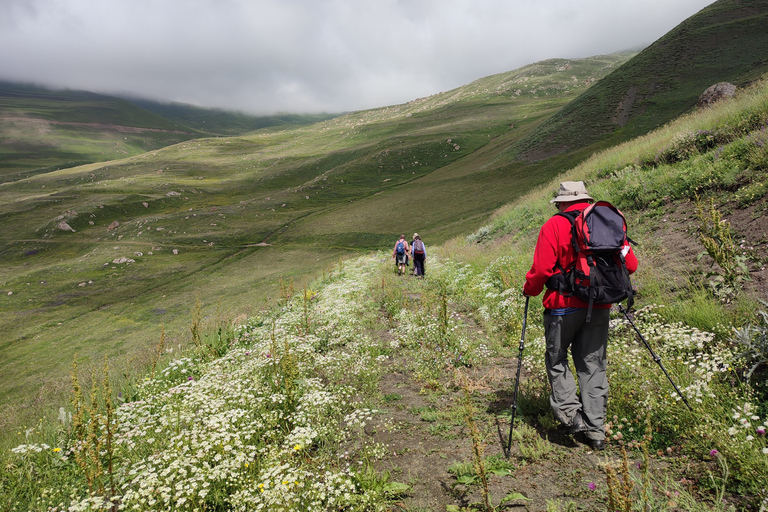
<point>577,424</point>
<point>597,444</point>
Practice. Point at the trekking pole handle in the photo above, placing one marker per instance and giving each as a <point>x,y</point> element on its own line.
<point>525,322</point>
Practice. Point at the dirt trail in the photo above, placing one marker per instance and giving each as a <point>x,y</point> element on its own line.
<point>428,433</point>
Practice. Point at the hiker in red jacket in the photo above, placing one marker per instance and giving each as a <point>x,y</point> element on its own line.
<point>566,325</point>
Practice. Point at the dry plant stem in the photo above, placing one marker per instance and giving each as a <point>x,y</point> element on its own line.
<point>478,451</point>
<point>196,321</point>
<point>619,485</point>
<point>159,350</point>
<point>79,424</point>
<point>109,427</point>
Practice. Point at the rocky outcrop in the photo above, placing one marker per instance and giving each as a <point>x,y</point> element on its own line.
<point>715,93</point>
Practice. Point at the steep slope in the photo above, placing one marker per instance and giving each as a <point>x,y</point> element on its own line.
<point>727,41</point>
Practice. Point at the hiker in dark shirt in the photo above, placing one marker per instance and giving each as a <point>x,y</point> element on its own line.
<point>419,255</point>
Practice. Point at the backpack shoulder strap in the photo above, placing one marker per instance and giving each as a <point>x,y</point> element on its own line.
<point>571,216</point>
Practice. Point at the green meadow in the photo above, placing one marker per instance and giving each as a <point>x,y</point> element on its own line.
<point>221,220</point>
<point>361,389</point>
<point>209,320</point>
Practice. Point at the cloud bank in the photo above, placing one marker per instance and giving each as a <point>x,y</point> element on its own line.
<point>266,56</point>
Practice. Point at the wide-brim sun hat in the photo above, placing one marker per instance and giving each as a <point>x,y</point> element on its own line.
<point>415,235</point>
<point>571,191</point>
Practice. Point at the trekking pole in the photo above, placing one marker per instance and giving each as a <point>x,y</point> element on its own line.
<point>654,356</point>
<point>517,380</point>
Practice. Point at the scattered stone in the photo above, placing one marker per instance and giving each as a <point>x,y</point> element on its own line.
<point>123,259</point>
<point>172,193</point>
<point>82,284</point>
<point>90,222</point>
<point>65,227</point>
<point>145,204</point>
<point>715,93</point>
<point>175,251</point>
<point>138,254</point>
<point>113,226</point>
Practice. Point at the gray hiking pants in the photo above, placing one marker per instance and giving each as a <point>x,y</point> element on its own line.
<point>588,342</point>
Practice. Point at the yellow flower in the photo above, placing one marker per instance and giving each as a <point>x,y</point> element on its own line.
<point>57,449</point>
<point>261,485</point>
<point>297,447</point>
<point>285,482</point>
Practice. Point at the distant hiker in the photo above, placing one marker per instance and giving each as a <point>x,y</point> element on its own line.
<point>419,255</point>
<point>400,254</point>
<point>570,321</point>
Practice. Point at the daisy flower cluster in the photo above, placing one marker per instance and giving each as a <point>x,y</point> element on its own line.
<point>749,427</point>
<point>257,428</point>
<point>695,356</point>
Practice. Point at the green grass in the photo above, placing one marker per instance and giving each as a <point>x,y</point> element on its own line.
<point>726,41</point>
<point>315,193</point>
<point>44,130</point>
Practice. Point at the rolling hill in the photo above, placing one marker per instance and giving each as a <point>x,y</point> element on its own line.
<point>96,258</point>
<point>215,219</point>
<point>725,42</point>
<point>44,130</point>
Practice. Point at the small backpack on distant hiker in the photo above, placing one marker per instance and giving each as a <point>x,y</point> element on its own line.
<point>418,247</point>
<point>600,275</point>
<point>400,249</point>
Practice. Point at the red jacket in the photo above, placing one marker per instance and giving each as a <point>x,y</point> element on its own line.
<point>552,247</point>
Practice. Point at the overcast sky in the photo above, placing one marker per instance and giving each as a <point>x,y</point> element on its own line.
<point>266,56</point>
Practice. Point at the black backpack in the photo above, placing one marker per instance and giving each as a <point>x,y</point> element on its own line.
<point>600,274</point>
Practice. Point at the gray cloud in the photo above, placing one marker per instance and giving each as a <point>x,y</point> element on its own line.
<point>264,56</point>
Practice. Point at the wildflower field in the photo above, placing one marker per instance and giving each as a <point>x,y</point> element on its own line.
<point>366,390</point>
<point>289,414</point>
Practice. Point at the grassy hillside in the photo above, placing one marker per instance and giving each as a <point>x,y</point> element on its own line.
<point>725,42</point>
<point>43,130</point>
<point>224,218</point>
<point>369,391</point>
<point>98,259</point>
